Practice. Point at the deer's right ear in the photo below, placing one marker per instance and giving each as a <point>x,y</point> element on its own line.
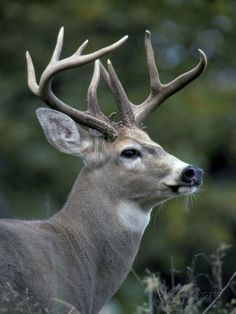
<point>63,133</point>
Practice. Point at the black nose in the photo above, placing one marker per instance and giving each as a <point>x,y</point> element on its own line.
<point>192,175</point>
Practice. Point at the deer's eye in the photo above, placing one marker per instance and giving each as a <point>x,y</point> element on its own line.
<point>130,153</point>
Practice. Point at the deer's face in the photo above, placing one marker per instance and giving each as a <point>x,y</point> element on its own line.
<point>144,171</point>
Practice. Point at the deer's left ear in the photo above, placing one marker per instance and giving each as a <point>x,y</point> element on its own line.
<point>63,133</point>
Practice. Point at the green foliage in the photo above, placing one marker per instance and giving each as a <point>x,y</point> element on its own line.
<point>197,125</point>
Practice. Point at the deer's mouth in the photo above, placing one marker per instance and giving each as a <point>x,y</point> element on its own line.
<point>182,189</point>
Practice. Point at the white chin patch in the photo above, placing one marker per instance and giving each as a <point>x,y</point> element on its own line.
<point>187,190</point>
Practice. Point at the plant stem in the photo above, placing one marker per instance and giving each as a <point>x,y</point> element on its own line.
<point>220,294</point>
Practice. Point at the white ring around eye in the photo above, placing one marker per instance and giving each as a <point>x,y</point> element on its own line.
<point>132,163</point>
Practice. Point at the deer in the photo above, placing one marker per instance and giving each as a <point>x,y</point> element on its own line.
<point>83,253</point>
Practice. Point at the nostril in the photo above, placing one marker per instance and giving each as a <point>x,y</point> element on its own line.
<point>188,174</point>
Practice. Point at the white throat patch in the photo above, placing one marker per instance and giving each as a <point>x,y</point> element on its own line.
<point>132,217</point>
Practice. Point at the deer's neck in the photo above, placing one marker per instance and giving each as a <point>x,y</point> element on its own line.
<point>94,201</point>
<point>106,229</point>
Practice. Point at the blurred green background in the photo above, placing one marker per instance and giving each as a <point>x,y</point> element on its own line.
<point>197,125</point>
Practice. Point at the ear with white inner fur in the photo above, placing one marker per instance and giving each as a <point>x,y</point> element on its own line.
<point>63,133</point>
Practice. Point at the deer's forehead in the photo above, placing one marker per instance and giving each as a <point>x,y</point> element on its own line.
<point>132,137</point>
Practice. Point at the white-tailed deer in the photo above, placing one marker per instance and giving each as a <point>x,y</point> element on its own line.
<point>83,253</point>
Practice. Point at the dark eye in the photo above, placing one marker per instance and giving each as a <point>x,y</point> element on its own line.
<point>130,153</point>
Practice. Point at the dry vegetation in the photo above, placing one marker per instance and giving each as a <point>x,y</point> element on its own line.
<point>188,298</point>
<point>12,302</point>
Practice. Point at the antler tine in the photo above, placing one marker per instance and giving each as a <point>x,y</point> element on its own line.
<point>32,82</point>
<point>92,99</point>
<point>159,92</point>
<point>184,79</point>
<point>106,76</point>
<point>58,48</point>
<point>125,106</point>
<point>155,84</point>
<point>82,47</point>
<point>44,91</point>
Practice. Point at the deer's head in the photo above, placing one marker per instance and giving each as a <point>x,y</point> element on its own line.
<point>122,154</point>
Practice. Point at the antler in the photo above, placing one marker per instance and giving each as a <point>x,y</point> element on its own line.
<point>92,117</point>
<point>135,114</point>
